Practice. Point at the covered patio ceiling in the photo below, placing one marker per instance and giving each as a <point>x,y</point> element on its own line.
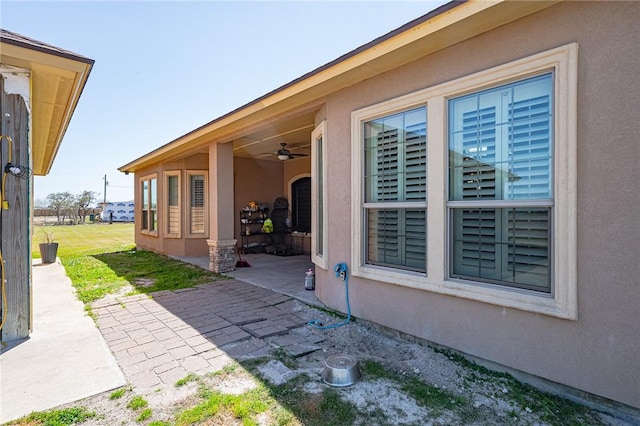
<point>263,141</point>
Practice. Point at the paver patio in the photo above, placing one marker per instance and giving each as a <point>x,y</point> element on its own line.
<point>160,339</point>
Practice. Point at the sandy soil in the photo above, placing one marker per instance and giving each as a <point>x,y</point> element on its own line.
<point>488,397</point>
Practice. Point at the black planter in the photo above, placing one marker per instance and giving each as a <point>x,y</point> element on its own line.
<point>48,252</point>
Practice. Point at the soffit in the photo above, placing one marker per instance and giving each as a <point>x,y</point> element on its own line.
<point>444,27</point>
<point>57,80</point>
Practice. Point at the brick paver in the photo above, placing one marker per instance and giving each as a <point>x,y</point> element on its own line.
<point>159,340</point>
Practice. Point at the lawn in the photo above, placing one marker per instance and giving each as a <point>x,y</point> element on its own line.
<point>101,259</point>
<point>74,240</point>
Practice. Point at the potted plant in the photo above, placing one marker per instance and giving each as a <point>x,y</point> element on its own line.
<point>49,248</point>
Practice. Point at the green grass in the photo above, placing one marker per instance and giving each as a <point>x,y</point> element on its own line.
<point>117,394</point>
<point>426,395</point>
<point>78,240</point>
<point>67,416</point>
<point>137,403</point>
<point>243,407</point>
<point>101,259</point>
<point>188,378</point>
<point>144,415</point>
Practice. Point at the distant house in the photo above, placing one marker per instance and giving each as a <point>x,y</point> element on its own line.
<point>476,169</point>
<point>118,211</point>
<point>40,88</point>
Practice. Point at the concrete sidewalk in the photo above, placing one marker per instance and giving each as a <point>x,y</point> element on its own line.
<point>64,360</point>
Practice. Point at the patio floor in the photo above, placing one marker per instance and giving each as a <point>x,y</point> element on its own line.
<point>283,274</point>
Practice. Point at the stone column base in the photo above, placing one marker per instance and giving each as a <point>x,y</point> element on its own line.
<point>222,255</point>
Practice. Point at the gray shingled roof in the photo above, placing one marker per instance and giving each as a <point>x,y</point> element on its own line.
<point>29,43</point>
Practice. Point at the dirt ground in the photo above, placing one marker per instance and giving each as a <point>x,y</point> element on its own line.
<point>488,398</point>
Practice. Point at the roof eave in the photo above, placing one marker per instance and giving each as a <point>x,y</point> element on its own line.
<point>438,29</point>
<point>51,114</point>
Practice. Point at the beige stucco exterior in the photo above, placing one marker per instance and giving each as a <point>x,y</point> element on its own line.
<point>596,349</point>
<point>600,351</point>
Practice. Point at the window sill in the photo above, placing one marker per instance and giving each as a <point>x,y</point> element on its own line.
<point>201,236</point>
<point>559,306</point>
<point>149,233</point>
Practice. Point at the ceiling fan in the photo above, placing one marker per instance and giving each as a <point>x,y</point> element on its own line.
<point>284,154</point>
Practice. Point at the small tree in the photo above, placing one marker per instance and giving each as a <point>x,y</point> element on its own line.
<point>82,204</point>
<point>60,202</point>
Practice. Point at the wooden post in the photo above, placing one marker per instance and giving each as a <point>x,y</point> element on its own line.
<point>15,241</point>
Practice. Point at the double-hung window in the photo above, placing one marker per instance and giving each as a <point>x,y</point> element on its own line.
<point>500,192</point>
<point>149,192</point>
<point>173,205</point>
<point>395,182</point>
<point>486,210</point>
<point>197,203</point>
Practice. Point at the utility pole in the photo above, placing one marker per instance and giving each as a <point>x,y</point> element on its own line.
<point>105,189</point>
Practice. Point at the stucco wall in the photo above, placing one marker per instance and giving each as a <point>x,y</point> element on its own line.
<point>161,243</point>
<point>599,352</point>
<point>256,180</point>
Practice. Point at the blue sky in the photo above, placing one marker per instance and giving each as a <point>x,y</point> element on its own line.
<point>164,68</point>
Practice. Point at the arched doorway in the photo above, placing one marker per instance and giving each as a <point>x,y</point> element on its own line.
<point>301,205</point>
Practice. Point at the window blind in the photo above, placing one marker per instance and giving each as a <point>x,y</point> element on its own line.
<point>197,204</point>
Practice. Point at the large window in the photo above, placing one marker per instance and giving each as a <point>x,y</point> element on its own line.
<point>500,192</point>
<point>395,180</point>
<point>486,210</point>
<point>318,196</point>
<point>197,203</point>
<point>173,207</point>
<point>149,192</point>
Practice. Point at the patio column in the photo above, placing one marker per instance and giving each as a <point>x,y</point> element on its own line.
<point>221,215</point>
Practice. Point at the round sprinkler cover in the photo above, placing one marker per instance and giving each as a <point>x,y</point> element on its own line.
<point>340,371</point>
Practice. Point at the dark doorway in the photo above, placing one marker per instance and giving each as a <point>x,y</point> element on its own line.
<point>301,205</point>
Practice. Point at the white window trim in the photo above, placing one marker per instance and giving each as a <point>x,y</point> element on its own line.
<point>562,302</point>
<point>148,178</point>
<point>320,260</point>
<point>165,204</point>
<point>188,232</point>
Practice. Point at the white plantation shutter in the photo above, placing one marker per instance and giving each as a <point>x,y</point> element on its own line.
<point>384,224</point>
<point>387,166</point>
<point>500,150</point>
<point>173,201</point>
<point>530,147</point>
<point>528,246</point>
<point>415,184</point>
<point>197,204</point>
<point>477,178</point>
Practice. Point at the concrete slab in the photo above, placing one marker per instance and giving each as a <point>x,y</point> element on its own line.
<point>282,274</point>
<point>64,360</point>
